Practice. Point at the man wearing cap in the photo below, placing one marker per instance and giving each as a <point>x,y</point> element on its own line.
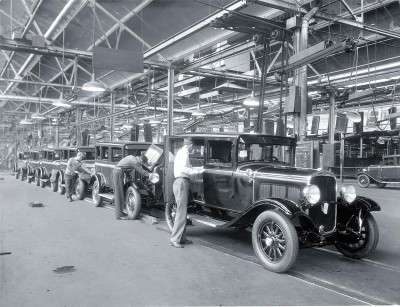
<point>74,165</point>
<point>182,172</point>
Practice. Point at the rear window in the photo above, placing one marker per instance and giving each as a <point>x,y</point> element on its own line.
<point>116,154</point>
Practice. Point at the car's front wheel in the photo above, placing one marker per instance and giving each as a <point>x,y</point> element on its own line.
<point>61,188</point>
<point>96,198</point>
<point>275,241</point>
<point>363,181</point>
<point>54,185</point>
<point>80,189</point>
<point>42,183</point>
<point>170,212</point>
<point>359,242</point>
<point>133,203</point>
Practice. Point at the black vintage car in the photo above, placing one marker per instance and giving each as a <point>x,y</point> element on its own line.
<point>249,180</point>
<point>386,172</point>
<point>42,171</point>
<point>107,157</point>
<point>33,162</point>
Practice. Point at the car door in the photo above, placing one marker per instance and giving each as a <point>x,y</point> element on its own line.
<point>218,173</point>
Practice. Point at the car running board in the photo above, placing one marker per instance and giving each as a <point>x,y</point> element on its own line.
<point>108,196</point>
<point>206,220</point>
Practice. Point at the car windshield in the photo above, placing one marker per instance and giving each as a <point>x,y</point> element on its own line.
<point>259,152</point>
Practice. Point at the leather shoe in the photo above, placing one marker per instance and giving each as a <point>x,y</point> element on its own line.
<point>186,241</point>
<point>175,244</point>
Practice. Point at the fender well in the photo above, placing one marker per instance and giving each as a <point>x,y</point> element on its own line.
<point>366,203</point>
<point>287,207</point>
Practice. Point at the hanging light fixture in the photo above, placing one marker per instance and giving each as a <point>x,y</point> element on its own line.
<point>38,116</point>
<point>25,121</point>
<point>251,101</point>
<point>93,86</point>
<point>61,102</point>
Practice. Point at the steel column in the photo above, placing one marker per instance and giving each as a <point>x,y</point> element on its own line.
<point>332,119</point>
<point>170,123</point>
<point>262,87</point>
<point>112,117</point>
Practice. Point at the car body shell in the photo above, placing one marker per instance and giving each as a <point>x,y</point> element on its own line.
<point>237,192</point>
<point>386,172</point>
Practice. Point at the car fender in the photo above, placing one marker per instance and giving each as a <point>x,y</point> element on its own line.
<point>287,207</point>
<point>373,179</point>
<point>100,178</point>
<point>363,202</point>
<point>61,174</point>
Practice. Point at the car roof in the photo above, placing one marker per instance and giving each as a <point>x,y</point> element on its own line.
<point>123,143</point>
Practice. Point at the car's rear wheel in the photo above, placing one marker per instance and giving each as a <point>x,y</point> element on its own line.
<point>96,198</point>
<point>359,243</point>
<point>61,188</point>
<point>380,185</point>
<point>43,183</point>
<point>363,181</point>
<point>275,241</point>
<point>170,212</point>
<point>80,189</point>
<point>133,203</point>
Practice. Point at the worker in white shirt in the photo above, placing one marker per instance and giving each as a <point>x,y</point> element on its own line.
<point>182,173</point>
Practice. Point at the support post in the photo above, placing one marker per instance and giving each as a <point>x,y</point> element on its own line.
<point>332,119</point>
<point>112,117</point>
<point>303,82</point>
<point>361,147</point>
<point>57,135</point>
<point>78,126</point>
<point>262,88</point>
<point>170,123</point>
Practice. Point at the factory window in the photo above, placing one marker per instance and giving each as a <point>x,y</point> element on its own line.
<point>197,153</point>
<point>116,154</point>
<point>220,153</point>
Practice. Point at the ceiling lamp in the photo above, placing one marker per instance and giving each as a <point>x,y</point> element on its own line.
<point>26,121</point>
<point>154,121</point>
<point>251,101</point>
<point>198,113</point>
<point>93,86</point>
<point>61,103</point>
<point>38,116</point>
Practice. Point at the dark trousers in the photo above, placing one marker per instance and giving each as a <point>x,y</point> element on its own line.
<point>181,193</point>
<point>119,197</point>
<point>69,184</point>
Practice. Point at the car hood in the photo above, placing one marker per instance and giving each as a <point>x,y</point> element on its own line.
<point>278,172</point>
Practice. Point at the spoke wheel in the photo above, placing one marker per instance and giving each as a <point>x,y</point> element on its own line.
<point>275,241</point>
<point>80,189</point>
<point>359,245</point>
<point>96,198</point>
<point>170,213</point>
<point>133,203</point>
<point>37,178</point>
<point>363,181</point>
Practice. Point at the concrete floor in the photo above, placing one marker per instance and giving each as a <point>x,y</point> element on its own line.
<point>129,263</point>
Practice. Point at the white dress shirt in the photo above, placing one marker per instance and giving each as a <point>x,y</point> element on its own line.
<point>182,165</point>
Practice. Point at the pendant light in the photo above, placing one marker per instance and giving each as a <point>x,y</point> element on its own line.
<point>252,101</point>
<point>93,86</point>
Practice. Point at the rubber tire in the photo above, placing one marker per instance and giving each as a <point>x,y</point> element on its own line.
<point>80,189</point>
<point>380,185</point>
<point>37,178</point>
<point>97,201</point>
<point>364,184</point>
<point>17,175</point>
<point>54,185</point>
<point>132,214</point>
<point>43,184</point>
<point>292,241</point>
<point>61,189</point>
<point>22,175</point>
<point>168,215</point>
<point>369,247</point>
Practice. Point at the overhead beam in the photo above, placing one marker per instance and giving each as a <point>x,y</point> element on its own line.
<point>292,7</point>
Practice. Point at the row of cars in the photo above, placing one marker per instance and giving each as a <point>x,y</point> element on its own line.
<point>249,181</point>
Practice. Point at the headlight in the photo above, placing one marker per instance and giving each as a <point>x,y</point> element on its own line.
<point>154,178</point>
<point>312,194</point>
<point>348,193</point>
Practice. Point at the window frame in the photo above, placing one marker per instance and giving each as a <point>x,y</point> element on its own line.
<point>233,162</point>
